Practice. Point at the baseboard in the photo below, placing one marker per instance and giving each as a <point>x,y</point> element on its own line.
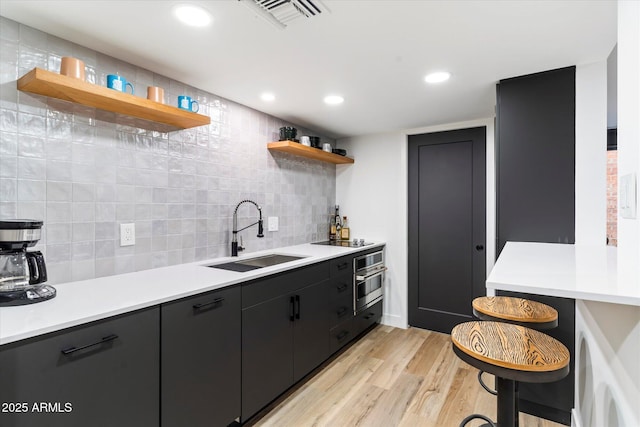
<point>576,420</point>
<point>393,320</point>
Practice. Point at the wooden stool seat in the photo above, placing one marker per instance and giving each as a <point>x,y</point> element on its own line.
<point>513,353</point>
<point>518,311</point>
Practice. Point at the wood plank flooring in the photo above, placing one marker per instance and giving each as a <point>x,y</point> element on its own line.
<point>391,377</point>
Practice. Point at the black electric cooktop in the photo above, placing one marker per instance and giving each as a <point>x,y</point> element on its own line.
<point>344,243</point>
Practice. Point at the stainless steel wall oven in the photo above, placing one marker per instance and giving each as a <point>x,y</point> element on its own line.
<point>368,280</point>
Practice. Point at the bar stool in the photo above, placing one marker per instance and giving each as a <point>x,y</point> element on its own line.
<point>513,353</point>
<point>517,311</point>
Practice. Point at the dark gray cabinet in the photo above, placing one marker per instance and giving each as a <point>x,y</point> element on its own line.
<point>101,374</point>
<point>284,324</point>
<point>535,182</point>
<point>535,158</point>
<point>552,401</point>
<point>367,318</point>
<point>200,360</point>
<point>341,303</point>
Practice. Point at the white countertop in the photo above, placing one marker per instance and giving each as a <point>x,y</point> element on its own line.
<point>562,270</point>
<point>88,300</point>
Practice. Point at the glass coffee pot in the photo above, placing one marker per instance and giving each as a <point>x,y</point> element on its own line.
<point>22,273</point>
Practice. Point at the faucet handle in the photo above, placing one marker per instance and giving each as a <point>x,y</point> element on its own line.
<point>240,247</point>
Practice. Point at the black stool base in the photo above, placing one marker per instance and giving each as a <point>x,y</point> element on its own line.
<point>478,416</point>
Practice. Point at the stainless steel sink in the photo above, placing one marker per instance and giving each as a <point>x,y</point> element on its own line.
<point>249,264</point>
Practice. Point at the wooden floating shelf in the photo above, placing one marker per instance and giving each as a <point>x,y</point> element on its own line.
<point>153,115</point>
<point>298,149</point>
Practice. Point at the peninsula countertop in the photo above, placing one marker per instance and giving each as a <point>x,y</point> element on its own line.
<point>563,270</point>
<point>85,301</point>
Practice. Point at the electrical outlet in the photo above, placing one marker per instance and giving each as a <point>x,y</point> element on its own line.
<point>127,234</point>
<point>627,195</point>
<point>272,223</point>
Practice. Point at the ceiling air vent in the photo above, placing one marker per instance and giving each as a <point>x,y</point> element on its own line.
<point>282,12</point>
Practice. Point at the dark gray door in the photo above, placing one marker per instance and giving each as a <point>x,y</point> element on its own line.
<point>447,226</point>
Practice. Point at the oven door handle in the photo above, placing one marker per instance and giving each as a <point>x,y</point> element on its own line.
<point>372,274</point>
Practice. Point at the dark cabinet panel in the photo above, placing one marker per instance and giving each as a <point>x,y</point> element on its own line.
<point>267,353</point>
<point>555,400</point>
<point>284,337</point>
<point>102,374</point>
<point>341,334</point>
<point>200,371</point>
<point>341,266</point>
<point>535,166</point>
<point>261,290</point>
<point>367,318</point>
<point>340,299</point>
<point>311,344</point>
<point>535,158</point>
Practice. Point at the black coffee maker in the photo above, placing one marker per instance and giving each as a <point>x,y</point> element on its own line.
<point>22,273</point>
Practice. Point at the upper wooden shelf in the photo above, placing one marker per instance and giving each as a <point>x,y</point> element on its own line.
<point>152,115</point>
<point>298,149</point>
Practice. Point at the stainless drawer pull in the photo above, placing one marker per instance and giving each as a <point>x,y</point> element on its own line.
<point>372,274</point>
<point>207,304</point>
<point>70,350</point>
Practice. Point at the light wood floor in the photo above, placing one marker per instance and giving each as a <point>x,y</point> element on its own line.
<point>391,377</point>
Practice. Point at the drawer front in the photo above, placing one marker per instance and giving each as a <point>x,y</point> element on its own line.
<point>340,335</point>
<point>341,286</point>
<point>368,317</point>
<point>262,290</point>
<point>342,265</point>
<point>102,374</point>
<point>340,307</point>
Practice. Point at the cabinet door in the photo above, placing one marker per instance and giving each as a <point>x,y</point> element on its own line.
<point>200,364</point>
<point>552,401</point>
<point>535,158</point>
<point>267,353</point>
<point>311,343</point>
<point>103,374</point>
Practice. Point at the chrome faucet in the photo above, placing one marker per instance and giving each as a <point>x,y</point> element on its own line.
<point>234,241</point>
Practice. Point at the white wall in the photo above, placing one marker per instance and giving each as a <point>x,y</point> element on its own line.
<point>591,154</point>
<point>628,129</point>
<point>373,194</point>
<point>608,335</point>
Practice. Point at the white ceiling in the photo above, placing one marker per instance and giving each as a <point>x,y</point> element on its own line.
<point>375,53</point>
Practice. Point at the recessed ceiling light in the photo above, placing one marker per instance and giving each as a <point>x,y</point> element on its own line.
<point>268,97</point>
<point>333,99</point>
<point>194,16</point>
<point>437,77</point>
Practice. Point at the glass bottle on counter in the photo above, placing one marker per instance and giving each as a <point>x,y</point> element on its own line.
<point>334,233</point>
<point>344,231</point>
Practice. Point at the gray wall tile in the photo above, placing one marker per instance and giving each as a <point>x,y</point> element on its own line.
<point>84,175</point>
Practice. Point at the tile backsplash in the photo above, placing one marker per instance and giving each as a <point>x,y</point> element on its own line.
<point>84,176</point>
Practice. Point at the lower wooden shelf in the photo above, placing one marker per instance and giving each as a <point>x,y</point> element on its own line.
<point>298,149</point>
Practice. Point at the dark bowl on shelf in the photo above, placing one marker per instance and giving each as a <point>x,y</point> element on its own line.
<point>288,133</point>
<point>339,151</point>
